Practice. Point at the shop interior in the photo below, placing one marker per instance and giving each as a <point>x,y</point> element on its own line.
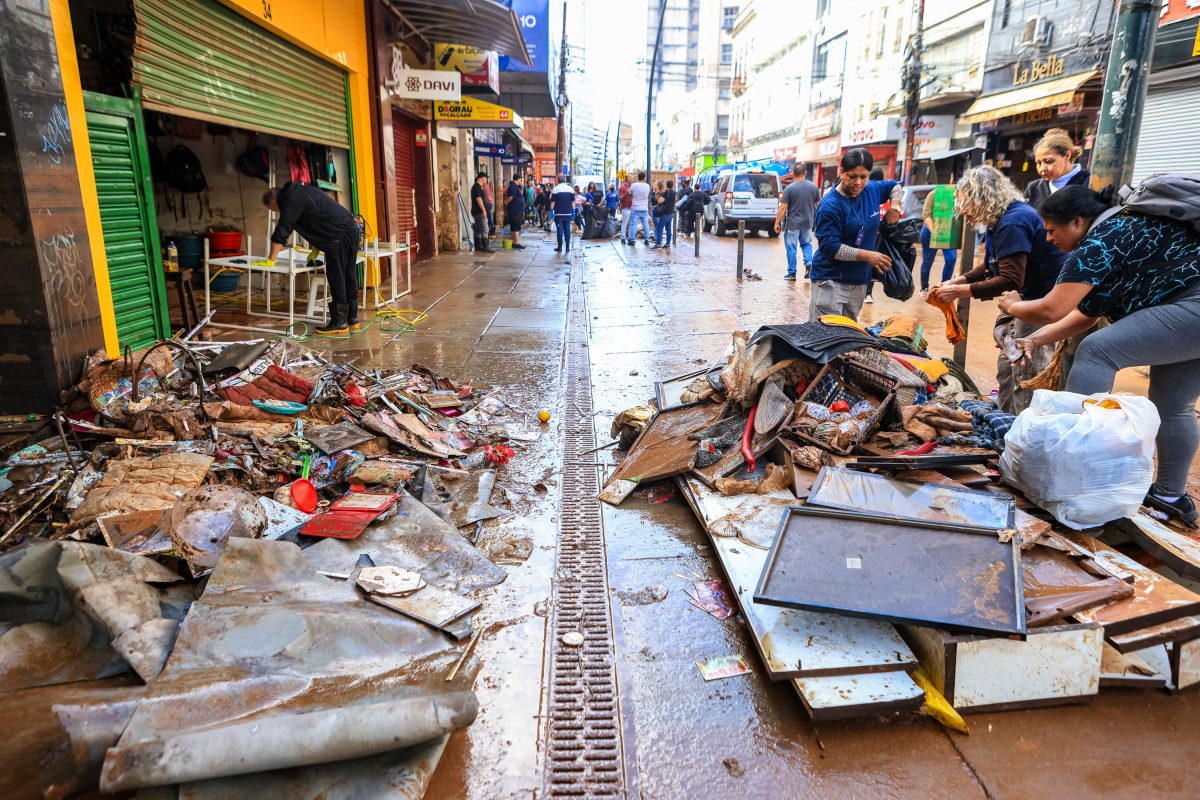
<point>236,165</point>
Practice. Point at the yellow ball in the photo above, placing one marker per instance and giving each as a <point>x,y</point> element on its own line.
<point>544,415</point>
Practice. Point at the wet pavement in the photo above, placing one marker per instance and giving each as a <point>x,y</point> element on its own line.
<point>500,319</point>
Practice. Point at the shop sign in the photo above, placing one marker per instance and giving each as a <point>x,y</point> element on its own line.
<point>534,18</point>
<point>471,110</point>
<point>421,139</point>
<point>424,84</point>
<point>479,68</point>
<point>818,125</point>
<point>939,127</point>
<point>829,147</point>
<point>519,161</point>
<point>880,129</point>
<point>783,154</point>
<point>1052,67</point>
<point>487,150</point>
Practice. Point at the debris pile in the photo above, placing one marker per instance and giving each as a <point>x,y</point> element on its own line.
<point>246,570</point>
<point>885,557</point>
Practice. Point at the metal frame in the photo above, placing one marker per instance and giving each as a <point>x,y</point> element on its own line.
<point>660,397</point>
<point>809,511</point>
<point>1012,506</point>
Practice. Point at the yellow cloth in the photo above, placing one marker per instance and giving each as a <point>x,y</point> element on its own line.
<point>932,369</point>
<point>263,262</point>
<point>845,322</point>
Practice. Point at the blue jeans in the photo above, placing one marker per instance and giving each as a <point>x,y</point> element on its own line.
<point>928,254</point>
<point>644,218</point>
<point>664,229</point>
<point>562,225</point>
<point>792,240</point>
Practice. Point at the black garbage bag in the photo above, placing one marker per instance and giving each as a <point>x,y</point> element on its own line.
<point>897,241</point>
<point>599,225</point>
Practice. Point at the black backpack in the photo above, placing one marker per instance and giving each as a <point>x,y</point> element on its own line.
<point>186,176</point>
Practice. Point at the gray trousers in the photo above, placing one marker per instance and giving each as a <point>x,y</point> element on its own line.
<point>835,297</point>
<point>1165,338</point>
<point>1012,398</point>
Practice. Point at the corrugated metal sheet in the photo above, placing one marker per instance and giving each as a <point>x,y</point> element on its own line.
<point>404,144</point>
<point>130,238</point>
<point>198,59</point>
<point>1168,142</point>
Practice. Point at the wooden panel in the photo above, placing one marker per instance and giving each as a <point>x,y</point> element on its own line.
<point>1177,630</point>
<point>847,697</point>
<point>794,643</point>
<point>1177,550</point>
<point>1128,670</point>
<point>1185,664</point>
<point>1156,599</point>
<point>1053,665</point>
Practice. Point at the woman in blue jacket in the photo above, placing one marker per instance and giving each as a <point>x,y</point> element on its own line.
<point>846,228</point>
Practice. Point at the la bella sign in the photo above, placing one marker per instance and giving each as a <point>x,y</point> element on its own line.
<point>425,84</point>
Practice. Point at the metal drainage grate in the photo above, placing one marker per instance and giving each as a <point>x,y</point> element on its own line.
<point>584,753</point>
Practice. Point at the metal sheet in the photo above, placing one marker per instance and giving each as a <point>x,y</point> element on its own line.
<point>415,539</point>
<point>334,438</point>
<point>199,59</point>
<point>667,393</point>
<point>887,569</point>
<point>277,667</point>
<point>930,502</point>
<point>1057,585</point>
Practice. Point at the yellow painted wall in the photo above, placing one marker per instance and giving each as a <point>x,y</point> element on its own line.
<point>333,29</point>
<point>64,39</point>
<point>337,31</point>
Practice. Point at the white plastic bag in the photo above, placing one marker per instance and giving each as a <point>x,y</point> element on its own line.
<point>1085,463</point>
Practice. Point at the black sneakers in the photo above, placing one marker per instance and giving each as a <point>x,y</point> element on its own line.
<point>1183,509</point>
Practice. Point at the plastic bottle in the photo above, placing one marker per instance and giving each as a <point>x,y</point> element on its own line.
<point>172,256</point>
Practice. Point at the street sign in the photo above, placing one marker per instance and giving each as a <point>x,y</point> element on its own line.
<point>621,174</point>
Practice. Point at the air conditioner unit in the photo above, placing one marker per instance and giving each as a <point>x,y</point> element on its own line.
<point>1039,31</point>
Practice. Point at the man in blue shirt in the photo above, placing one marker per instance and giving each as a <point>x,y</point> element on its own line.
<point>563,205</point>
<point>610,200</point>
<point>847,228</point>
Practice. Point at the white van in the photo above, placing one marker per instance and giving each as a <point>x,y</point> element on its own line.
<point>751,195</point>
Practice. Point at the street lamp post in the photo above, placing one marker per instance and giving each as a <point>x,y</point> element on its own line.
<point>662,13</point>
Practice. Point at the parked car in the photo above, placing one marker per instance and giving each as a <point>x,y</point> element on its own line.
<point>750,195</point>
<point>914,199</point>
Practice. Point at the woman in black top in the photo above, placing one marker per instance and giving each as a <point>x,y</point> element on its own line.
<point>1143,274</point>
<point>1055,156</point>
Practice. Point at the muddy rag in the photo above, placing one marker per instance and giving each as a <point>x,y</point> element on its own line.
<point>954,329</point>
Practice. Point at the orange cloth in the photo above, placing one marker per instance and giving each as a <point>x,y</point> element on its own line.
<point>954,329</point>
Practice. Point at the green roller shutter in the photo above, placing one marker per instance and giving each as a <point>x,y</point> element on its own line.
<point>199,59</point>
<point>127,219</point>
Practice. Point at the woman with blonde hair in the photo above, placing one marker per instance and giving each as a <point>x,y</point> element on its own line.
<point>1017,258</point>
<point>1056,157</point>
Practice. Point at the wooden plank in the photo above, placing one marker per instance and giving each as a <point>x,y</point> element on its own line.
<point>1177,550</point>
<point>1177,630</point>
<point>1128,670</point>
<point>1156,599</point>
<point>851,696</point>
<point>795,643</point>
<point>1053,665</point>
<point>1185,664</point>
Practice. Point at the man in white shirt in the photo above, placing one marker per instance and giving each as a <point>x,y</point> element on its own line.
<point>640,210</point>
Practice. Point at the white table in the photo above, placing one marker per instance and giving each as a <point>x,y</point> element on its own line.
<point>291,263</point>
<point>376,250</point>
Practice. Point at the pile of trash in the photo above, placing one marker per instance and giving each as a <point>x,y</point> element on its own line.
<point>243,569</point>
<point>897,543</point>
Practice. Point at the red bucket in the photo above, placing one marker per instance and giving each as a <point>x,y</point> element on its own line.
<point>224,241</point>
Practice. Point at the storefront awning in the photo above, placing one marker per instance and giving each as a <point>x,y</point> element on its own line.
<point>471,112</point>
<point>1027,98</point>
<point>485,24</point>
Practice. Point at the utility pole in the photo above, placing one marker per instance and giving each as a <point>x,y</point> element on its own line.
<point>604,158</point>
<point>912,90</point>
<point>620,116</point>
<point>562,96</point>
<point>662,13</point>
<point>1124,95</point>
